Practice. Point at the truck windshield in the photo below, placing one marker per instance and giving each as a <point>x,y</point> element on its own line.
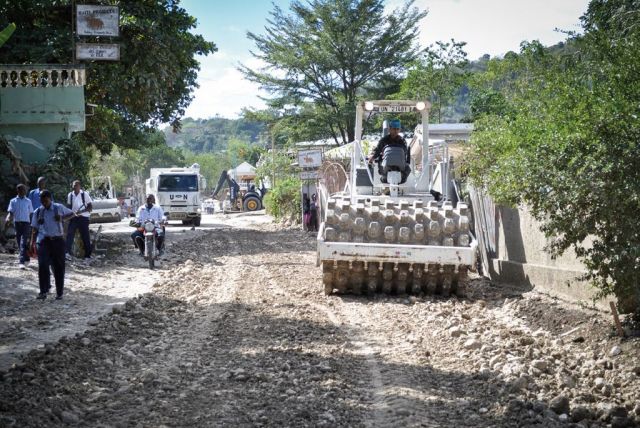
<point>179,183</point>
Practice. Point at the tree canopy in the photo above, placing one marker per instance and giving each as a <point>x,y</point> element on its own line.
<point>561,134</point>
<point>214,134</point>
<point>328,52</point>
<point>438,76</point>
<point>151,84</point>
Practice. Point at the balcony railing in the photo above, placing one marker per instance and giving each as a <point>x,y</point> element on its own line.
<point>39,76</point>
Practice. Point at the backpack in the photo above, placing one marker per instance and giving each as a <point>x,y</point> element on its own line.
<point>70,201</point>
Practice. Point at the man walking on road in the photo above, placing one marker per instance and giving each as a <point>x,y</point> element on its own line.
<point>34,195</point>
<point>46,224</point>
<point>80,202</point>
<point>20,210</point>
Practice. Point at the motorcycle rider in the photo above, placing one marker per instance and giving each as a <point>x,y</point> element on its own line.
<point>149,211</point>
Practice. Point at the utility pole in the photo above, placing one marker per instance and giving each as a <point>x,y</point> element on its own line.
<point>73,32</point>
<point>273,155</point>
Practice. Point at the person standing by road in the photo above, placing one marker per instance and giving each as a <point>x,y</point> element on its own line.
<point>79,201</point>
<point>46,230</point>
<point>124,209</point>
<point>20,210</point>
<point>34,195</point>
<point>306,214</point>
<point>313,211</point>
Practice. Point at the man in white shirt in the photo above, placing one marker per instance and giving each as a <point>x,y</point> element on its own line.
<point>150,211</point>
<point>20,210</point>
<point>79,201</point>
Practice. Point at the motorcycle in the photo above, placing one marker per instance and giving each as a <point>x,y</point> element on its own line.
<point>150,231</point>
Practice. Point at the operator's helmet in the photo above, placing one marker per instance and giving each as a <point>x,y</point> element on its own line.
<point>394,123</point>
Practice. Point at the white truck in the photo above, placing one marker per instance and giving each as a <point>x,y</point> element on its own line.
<point>177,191</point>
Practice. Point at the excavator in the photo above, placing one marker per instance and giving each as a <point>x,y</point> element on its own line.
<point>240,198</point>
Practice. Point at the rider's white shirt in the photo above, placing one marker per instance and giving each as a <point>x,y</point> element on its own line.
<point>155,213</point>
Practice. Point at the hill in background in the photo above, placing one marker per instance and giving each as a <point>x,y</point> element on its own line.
<point>213,135</point>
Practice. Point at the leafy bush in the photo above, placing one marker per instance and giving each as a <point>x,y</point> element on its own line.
<point>568,147</point>
<point>283,201</point>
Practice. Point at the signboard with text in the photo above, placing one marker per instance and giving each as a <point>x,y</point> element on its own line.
<point>309,158</point>
<point>92,20</point>
<point>394,109</point>
<point>99,52</point>
<point>308,175</point>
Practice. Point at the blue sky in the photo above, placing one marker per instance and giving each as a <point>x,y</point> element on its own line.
<point>488,26</point>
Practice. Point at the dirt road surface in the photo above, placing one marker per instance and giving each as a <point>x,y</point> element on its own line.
<point>233,330</point>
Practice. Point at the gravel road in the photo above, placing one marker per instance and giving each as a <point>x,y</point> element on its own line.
<point>234,330</point>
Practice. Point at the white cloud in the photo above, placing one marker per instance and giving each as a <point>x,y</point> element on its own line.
<point>498,26</point>
<point>488,26</point>
<point>223,91</point>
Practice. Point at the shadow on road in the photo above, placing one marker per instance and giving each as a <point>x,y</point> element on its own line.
<point>249,368</point>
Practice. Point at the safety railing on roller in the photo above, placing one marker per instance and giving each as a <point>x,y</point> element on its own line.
<point>438,152</point>
<point>363,158</point>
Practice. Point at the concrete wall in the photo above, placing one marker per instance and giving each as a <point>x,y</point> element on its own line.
<point>512,247</point>
<point>520,258</point>
<point>39,105</point>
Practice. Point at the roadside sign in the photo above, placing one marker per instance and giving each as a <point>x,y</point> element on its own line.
<point>309,158</point>
<point>308,175</point>
<point>92,20</point>
<point>102,52</point>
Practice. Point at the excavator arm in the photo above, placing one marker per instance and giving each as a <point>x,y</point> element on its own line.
<point>231,183</point>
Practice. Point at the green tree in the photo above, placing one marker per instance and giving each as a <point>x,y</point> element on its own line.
<point>569,149</point>
<point>68,162</point>
<point>214,134</point>
<point>438,76</point>
<point>291,124</point>
<point>151,84</point>
<point>283,201</point>
<point>328,51</point>
<point>240,151</point>
<point>211,166</point>
<point>498,81</point>
<point>124,164</point>
<point>274,166</point>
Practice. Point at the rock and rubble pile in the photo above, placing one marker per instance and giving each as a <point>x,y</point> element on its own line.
<point>238,332</point>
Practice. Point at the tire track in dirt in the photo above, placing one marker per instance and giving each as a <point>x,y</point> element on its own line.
<point>386,405</point>
<point>266,359</point>
<point>364,347</point>
<point>174,361</point>
<point>394,401</point>
<point>373,398</point>
<point>382,408</point>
